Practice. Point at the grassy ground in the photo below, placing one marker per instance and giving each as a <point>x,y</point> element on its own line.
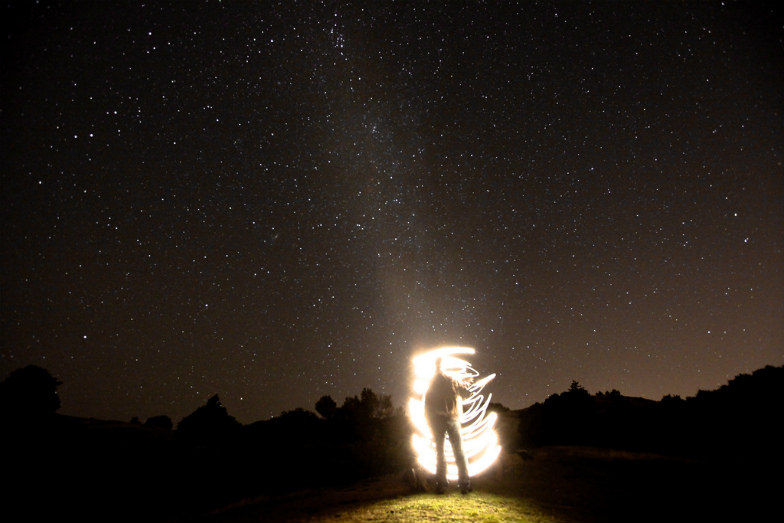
<point>481,507</point>
<point>392,499</point>
<point>399,505</point>
<point>557,485</point>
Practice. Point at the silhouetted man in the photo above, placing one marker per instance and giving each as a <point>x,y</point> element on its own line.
<point>443,407</point>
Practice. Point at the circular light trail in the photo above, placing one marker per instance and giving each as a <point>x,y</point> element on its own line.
<point>480,441</point>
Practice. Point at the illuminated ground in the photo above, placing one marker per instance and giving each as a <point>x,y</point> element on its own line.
<point>390,499</point>
<point>556,485</point>
<point>481,507</point>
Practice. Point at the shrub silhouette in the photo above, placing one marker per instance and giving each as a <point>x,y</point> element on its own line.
<point>29,393</point>
<point>327,407</point>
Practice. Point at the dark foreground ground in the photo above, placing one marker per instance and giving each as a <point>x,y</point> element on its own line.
<point>551,484</point>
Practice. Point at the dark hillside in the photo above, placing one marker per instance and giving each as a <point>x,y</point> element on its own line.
<point>94,469</point>
<point>59,466</point>
<point>739,418</point>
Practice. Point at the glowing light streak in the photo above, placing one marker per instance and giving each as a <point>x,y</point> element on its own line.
<point>480,441</point>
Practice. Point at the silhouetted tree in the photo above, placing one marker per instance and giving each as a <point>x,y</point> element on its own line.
<point>30,392</point>
<point>670,399</point>
<point>368,406</point>
<point>327,407</point>
<point>612,394</point>
<point>209,422</point>
<point>563,419</point>
<point>296,426</point>
<point>577,391</point>
<point>378,406</point>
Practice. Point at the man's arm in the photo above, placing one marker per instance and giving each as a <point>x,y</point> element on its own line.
<point>462,388</point>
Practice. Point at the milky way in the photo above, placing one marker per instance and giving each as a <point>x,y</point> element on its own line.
<point>279,201</point>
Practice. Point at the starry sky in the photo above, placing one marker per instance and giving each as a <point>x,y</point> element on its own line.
<point>276,201</point>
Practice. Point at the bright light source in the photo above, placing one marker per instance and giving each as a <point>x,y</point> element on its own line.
<point>480,441</point>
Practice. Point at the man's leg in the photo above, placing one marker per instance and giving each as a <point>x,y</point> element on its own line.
<point>456,440</point>
<point>439,432</point>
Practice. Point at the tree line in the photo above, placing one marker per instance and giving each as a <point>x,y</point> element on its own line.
<point>742,417</point>
<point>156,470</point>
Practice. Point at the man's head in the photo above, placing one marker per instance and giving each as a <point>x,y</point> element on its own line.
<point>438,364</point>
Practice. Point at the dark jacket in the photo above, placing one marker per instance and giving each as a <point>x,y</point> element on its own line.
<point>441,398</point>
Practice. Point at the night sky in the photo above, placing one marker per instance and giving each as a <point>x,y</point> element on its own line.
<point>276,201</point>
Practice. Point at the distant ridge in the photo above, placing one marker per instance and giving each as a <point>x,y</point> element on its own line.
<point>740,417</point>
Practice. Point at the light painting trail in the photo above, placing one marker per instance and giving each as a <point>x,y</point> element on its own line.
<point>480,440</point>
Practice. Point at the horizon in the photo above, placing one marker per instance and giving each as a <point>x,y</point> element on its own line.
<point>312,409</point>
